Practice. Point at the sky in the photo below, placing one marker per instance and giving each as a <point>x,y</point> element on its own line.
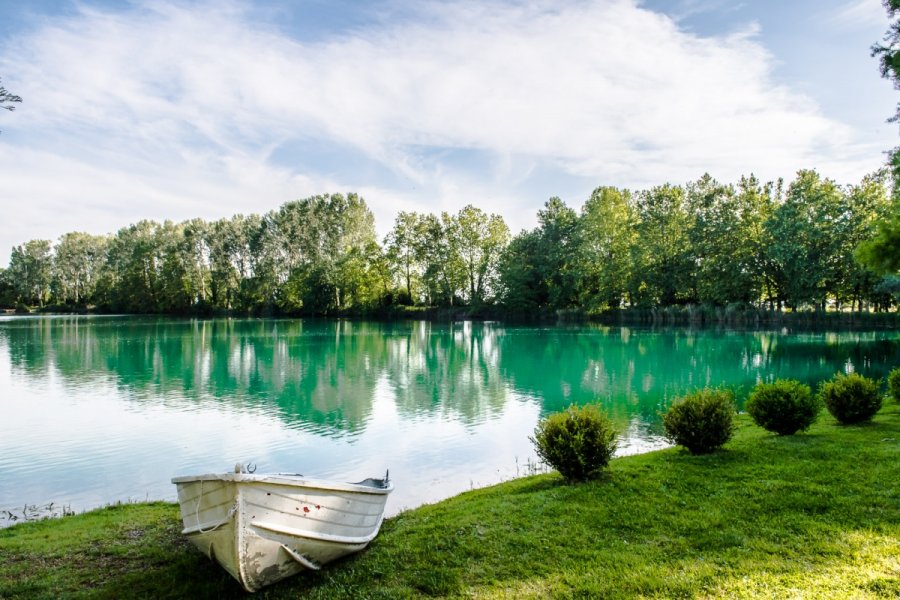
<point>160,109</point>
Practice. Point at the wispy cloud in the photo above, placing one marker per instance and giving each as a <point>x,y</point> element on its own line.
<point>163,110</point>
<point>684,9</point>
<point>858,13</point>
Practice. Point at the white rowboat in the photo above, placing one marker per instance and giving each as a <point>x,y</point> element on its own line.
<point>263,528</point>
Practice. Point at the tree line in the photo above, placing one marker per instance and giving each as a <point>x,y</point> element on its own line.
<point>701,243</point>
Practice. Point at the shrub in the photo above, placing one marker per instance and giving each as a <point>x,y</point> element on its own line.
<point>577,442</point>
<point>851,398</point>
<point>894,384</point>
<point>701,421</point>
<point>784,407</point>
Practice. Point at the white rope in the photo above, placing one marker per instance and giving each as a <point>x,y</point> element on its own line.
<point>221,522</point>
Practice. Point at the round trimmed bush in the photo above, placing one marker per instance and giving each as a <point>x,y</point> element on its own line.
<point>577,442</point>
<point>785,406</point>
<point>701,421</point>
<point>851,398</point>
<point>894,384</point>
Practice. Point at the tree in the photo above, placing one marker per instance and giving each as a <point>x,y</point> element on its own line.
<point>665,245</point>
<point>558,260</point>
<point>7,290</point>
<point>78,265</point>
<point>437,250</point>
<point>31,271</point>
<point>757,203</point>
<point>481,239</point>
<point>805,239</point>
<point>316,237</point>
<point>864,206</point>
<point>888,54</point>
<point>608,234</point>
<point>400,244</point>
<point>184,276</point>
<point>521,287</point>
<point>135,261</point>
<point>882,253</point>
<point>722,246</point>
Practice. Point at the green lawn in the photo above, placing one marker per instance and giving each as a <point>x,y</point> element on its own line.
<point>816,515</point>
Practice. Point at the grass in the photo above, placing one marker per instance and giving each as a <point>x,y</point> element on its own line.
<point>814,515</point>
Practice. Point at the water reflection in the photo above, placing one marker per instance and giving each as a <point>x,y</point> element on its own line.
<point>450,404</point>
<point>321,375</point>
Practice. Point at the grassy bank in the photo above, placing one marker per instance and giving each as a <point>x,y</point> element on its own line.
<point>811,515</point>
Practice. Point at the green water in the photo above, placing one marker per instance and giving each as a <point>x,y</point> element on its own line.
<point>99,409</point>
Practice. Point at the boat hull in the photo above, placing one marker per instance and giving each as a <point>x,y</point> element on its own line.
<point>263,528</point>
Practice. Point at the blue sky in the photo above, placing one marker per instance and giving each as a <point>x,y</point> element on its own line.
<point>164,109</point>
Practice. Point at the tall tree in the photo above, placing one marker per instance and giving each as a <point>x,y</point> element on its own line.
<point>721,244</point>
<point>559,264</point>
<point>400,245</point>
<point>78,265</point>
<point>522,289</point>
<point>31,271</point>
<point>317,236</point>
<point>437,250</point>
<point>608,233</point>
<point>230,261</point>
<point>665,245</point>
<point>864,205</point>
<point>184,277</point>
<point>481,239</point>
<point>135,261</point>
<point>882,252</point>
<point>267,270</point>
<point>806,245</point>
<point>756,203</point>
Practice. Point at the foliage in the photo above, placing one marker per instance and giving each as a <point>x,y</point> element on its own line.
<point>400,245</point>
<point>667,267</point>
<point>558,254</point>
<point>851,398</point>
<point>721,246</point>
<point>6,98</point>
<point>882,253</point>
<point>805,239</point>
<point>893,383</point>
<point>758,522</point>
<point>578,442</point>
<point>523,291</point>
<point>784,407</point>
<point>482,239</point>
<point>888,54</point>
<point>669,248</point>
<point>608,237</point>
<point>30,271</point>
<point>701,421</point>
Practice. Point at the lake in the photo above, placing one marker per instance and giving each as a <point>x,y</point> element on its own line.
<point>102,409</point>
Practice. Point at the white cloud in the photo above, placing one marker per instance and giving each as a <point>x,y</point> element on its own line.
<point>164,111</point>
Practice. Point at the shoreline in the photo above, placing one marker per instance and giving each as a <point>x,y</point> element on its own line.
<point>811,514</point>
<point>682,316</point>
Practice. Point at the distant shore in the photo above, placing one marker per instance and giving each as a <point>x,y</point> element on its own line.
<point>743,316</point>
